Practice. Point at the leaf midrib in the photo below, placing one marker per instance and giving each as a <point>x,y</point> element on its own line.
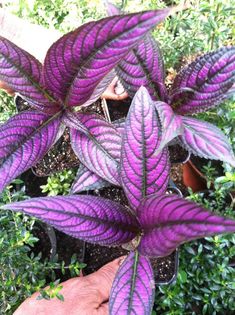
<point>45,92</point>
<point>125,226</point>
<point>91,56</point>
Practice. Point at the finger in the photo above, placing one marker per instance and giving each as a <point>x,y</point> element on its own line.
<point>103,278</point>
<point>110,95</point>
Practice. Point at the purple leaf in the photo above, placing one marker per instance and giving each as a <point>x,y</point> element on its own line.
<point>206,140</point>
<point>93,50</point>
<point>143,66</point>
<point>171,123</point>
<point>100,150</point>
<point>205,82</point>
<point>22,72</point>
<point>169,221</point>
<point>72,120</point>
<point>119,124</point>
<point>142,171</point>
<point>133,287</point>
<point>112,9</point>
<point>100,88</point>
<point>87,180</point>
<point>89,218</point>
<point>24,140</point>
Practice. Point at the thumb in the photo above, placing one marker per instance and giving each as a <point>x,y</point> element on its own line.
<point>104,277</point>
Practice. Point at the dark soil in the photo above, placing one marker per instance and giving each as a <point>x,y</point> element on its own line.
<point>118,109</point>
<point>60,157</point>
<point>178,154</point>
<point>165,269</point>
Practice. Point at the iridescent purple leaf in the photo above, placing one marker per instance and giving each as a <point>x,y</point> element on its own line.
<point>94,49</point>
<point>87,180</point>
<point>133,287</point>
<point>72,120</point>
<point>100,88</point>
<point>22,72</point>
<point>119,124</point>
<point>170,220</point>
<point>143,66</point>
<point>100,150</point>
<point>171,123</point>
<point>92,219</point>
<point>142,171</point>
<point>205,82</point>
<point>24,140</point>
<point>205,140</point>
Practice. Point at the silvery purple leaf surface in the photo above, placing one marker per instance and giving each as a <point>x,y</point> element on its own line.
<point>142,171</point>
<point>24,140</point>
<point>72,120</point>
<point>87,180</point>
<point>23,73</point>
<point>143,66</point>
<point>119,124</point>
<point>205,140</point>
<point>100,88</point>
<point>93,219</point>
<point>133,287</point>
<point>94,49</point>
<point>170,220</point>
<point>100,150</point>
<point>171,123</point>
<point>204,83</point>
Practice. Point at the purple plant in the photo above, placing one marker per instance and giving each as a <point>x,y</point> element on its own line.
<point>76,71</point>
<point>156,223</point>
<point>200,86</point>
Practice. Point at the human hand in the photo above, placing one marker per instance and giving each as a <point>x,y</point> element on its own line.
<point>114,91</point>
<point>87,295</point>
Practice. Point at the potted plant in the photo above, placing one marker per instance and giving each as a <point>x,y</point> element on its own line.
<point>133,155</point>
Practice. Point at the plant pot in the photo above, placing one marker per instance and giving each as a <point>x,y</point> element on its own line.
<point>193,178</point>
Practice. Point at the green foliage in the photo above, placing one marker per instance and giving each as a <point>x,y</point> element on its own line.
<point>7,107</point>
<point>205,282</point>
<point>22,272</point>
<point>59,184</point>
<point>51,292</point>
<point>64,15</point>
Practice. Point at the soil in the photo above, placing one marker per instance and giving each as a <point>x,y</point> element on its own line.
<point>178,154</point>
<point>165,268</point>
<point>60,157</point>
<point>118,109</point>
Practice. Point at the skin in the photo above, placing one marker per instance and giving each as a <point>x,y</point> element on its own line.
<point>87,295</point>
